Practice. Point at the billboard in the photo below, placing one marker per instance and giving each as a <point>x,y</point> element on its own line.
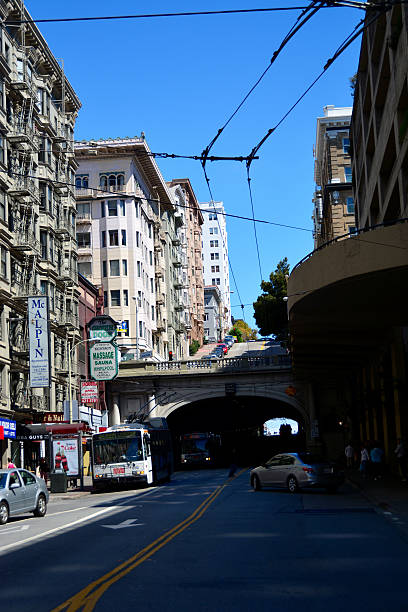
<point>65,455</point>
<point>39,339</point>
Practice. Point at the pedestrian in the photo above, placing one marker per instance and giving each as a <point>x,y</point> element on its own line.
<point>233,466</point>
<point>364,461</point>
<point>349,452</point>
<point>376,456</point>
<point>44,469</point>
<point>401,455</point>
<point>10,464</point>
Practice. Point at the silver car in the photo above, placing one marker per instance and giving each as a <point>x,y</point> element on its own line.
<point>21,491</point>
<point>297,470</point>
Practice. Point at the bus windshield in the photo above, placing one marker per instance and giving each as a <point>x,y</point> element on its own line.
<point>195,446</point>
<point>118,448</point>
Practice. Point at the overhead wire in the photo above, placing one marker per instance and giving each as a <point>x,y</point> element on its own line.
<point>18,22</point>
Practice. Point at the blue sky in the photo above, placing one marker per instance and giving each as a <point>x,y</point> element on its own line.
<point>179,79</point>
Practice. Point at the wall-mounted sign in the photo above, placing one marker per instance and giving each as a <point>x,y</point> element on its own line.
<point>37,313</point>
<point>9,428</point>
<point>53,417</point>
<point>89,391</point>
<point>102,328</point>
<point>103,360</point>
<point>123,327</point>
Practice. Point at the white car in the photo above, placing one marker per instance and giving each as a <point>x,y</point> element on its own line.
<point>20,492</point>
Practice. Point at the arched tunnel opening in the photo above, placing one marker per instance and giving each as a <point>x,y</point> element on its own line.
<point>238,424</point>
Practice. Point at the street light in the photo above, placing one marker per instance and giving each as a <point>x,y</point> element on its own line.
<point>70,352</point>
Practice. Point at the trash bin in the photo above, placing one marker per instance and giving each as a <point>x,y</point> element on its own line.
<point>59,482</point>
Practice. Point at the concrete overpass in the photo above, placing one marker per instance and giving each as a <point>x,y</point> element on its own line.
<point>240,392</point>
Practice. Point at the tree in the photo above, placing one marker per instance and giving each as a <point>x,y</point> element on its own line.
<point>243,330</point>
<point>270,307</point>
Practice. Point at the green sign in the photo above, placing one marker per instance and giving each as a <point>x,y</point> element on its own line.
<point>103,328</point>
<point>103,360</point>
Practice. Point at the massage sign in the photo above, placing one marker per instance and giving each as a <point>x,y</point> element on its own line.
<point>103,354</point>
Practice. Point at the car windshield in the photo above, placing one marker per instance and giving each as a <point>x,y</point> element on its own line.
<point>118,448</point>
<point>311,458</point>
<point>3,478</point>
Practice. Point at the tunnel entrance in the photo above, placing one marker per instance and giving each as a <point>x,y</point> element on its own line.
<point>239,424</point>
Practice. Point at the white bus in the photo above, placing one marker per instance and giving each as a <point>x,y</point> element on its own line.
<point>132,453</point>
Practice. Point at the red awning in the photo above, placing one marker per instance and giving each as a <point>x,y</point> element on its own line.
<point>67,428</point>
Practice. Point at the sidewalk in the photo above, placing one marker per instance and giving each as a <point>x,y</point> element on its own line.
<point>389,494</point>
<point>73,492</point>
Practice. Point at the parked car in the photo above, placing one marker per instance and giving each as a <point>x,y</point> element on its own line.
<point>229,337</point>
<point>297,470</point>
<point>218,353</point>
<point>20,492</point>
<point>228,341</point>
<point>224,347</point>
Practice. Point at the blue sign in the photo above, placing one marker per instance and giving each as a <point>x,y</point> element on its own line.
<point>9,428</point>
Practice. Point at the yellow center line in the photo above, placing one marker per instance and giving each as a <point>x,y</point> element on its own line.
<point>86,600</point>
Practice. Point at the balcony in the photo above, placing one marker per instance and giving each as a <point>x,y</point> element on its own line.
<point>67,274</point>
<point>346,296</point>
<point>24,187</point>
<point>26,241</point>
<point>67,319</point>
<point>21,133</point>
<point>23,289</point>
<point>84,218</point>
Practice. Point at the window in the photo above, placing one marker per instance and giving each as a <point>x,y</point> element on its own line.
<point>105,298</point>
<point>85,268</point>
<point>112,208</point>
<point>125,297</point>
<point>151,257</point>
<point>84,240</point>
<point>123,237</point>
<point>150,230</point>
<point>215,268</point>
<point>346,146</point>
<point>114,267</point>
<point>84,210</point>
<point>3,262</point>
<point>104,272</point>
<point>103,239</point>
<point>115,297</point>
<point>2,205</point>
<point>1,93</point>
<point>102,209</point>
<point>152,313</point>
<point>137,239</point>
<point>213,243</point>
<point>113,238</point>
<point>352,229</point>
<point>151,285</point>
<point>215,256</point>
<point>212,217</point>
<point>43,242</point>
<point>124,267</point>
<point>136,209</point>
<point>122,207</point>
<point>348,174</point>
<point>138,269</point>
<point>350,206</point>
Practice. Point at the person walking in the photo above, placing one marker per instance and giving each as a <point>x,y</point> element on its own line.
<point>10,464</point>
<point>349,452</point>
<point>376,457</point>
<point>44,469</point>
<point>401,455</point>
<point>364,461</point>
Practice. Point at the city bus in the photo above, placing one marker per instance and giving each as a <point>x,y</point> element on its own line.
<point>132,453</point>
<point>200,449</point>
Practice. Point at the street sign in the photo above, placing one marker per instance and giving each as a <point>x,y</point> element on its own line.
<point>146,354</point>
<point>103,359</point>
<point>89,391</point>
<point>102,328</point>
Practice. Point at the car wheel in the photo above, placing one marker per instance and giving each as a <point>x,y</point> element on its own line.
<point>41,508</point>
<point>292,484</point>
<point>4,513</point>
<point>256,483</point>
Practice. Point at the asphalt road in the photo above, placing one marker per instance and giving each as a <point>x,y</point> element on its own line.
<point>205,543</point>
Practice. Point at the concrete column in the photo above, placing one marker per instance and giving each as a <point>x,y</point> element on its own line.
<point>151,407</point>
<point>114,417</point>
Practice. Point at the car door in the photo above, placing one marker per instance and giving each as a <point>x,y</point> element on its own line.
<point>16,493</point>
<point>31,488</point>
<point>287,467</point>
<point>271,472</point>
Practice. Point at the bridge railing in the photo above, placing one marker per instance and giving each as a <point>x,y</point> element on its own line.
<point>233,364</point>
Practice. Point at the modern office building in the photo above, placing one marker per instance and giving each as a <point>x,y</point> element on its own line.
<point>38,253</point>
<point>127,242</point>
<point>215,260</point>
<point>192,262</point>
<point>333,212</point>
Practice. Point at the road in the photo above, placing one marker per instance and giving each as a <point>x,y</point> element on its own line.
<point>252,348</point>
<point>205,543</point>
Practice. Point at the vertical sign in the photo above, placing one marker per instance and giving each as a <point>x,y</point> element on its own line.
<point>37,312</point>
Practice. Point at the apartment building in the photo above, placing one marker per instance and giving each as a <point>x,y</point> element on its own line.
<point>215,255</point>
<point>347,302</point>
<point>192,262</point>
<point>213,316</point>
<point>333,212</point>
<point>38,254</point>
<point>127,242</point>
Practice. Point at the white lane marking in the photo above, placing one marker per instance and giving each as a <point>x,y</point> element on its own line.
<point>127,523</point>
<point>17,528</point>
<point>62,528</point>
